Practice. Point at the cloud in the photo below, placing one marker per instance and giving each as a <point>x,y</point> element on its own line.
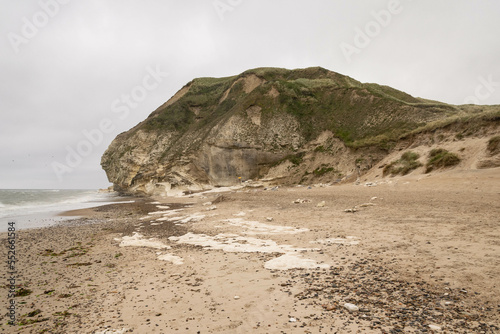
<point>64,79</point>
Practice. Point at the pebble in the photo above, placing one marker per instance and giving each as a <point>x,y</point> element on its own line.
<point>236,297</point>
<point>351,307</point>
<point>329,307</point>
<point>300,201</point>
<point>363,284</point>
<point>321,204</point>
<point>292,320</point>
<point>434,327</point>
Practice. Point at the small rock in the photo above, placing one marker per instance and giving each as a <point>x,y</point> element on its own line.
<point>434,327</point>
<point>210,208</point>
<point>321,204</point>
<point>300,201</point>
<point>351,307</point>
<point>365,205</point>
<point>269,219</point>
<point>236,297</point>
<point>292,320</point>
<point>350,210</point>
<point>207,203</point>
<point>329,307</point>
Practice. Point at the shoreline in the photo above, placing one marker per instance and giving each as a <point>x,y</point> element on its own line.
<point>420,255</point>
<point>55,216</point>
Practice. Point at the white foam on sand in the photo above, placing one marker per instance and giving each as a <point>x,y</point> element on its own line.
<point>172,212</point>
<point>177,260</point>
<point>183,219</point>
<point>350,241</point>
<point>159,212</point>
<point>137,240</point>
<point>211,191</point>
<point>254,227</point>
<point>113,331</point>
<point>166,216</point>
<point>239,214</point>
<point>293,261</point>
<point>163,207</point>
<point>196,217</point>
<point>176,218</point>
<point>234,243</point>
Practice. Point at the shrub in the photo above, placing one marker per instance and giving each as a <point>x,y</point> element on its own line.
<point>441,158</point>
<point>494,145</point>
<point>295,159</point>
<point>407,163</point>
<point>322,171</point>
<point>410,156</point>
<point>320,149</point>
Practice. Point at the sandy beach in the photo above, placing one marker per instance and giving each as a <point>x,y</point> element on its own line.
<point>398,255</point>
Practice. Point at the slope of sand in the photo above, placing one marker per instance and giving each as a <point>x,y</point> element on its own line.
<point>414,254</point>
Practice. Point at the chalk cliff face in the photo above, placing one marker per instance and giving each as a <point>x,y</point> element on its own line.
<point>295,126</point>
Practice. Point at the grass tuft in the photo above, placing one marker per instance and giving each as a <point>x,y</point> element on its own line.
<point>22,292</point>
<point>33,313</point>
<point>494,145</point>
<point>441,158</point>
<point>322,171</point>
<point>407,163</point>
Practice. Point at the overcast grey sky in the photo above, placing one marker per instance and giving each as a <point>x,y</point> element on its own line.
<point>74,74</point>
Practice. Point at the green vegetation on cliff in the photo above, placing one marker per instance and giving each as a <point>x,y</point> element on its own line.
<point>357,113</point>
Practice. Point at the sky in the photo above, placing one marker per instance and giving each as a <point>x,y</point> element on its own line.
<point>76,73</point>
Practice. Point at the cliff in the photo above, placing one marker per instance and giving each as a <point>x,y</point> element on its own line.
<point>288,126</point>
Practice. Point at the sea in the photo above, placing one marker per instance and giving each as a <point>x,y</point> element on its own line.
<point>33,208</point>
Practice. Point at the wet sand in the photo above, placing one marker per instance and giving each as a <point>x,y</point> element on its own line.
<point>414,254</point>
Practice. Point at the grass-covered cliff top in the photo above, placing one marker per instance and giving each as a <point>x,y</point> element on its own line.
<point>361,114</point>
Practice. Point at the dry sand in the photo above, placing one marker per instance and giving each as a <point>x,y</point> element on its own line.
<point>417,254</point>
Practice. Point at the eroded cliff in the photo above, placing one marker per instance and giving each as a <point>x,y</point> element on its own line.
<point>290,126</point>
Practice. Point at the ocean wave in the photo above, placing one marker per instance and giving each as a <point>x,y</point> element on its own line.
<point>38,201</point>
